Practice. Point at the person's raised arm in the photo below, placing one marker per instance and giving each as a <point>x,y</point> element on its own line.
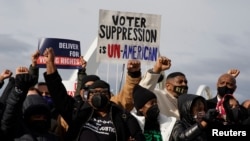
<point>63,102</point>
<point>80,75</point>
<point>124,98</point>
<point>162,64</point>
<point>151,77</point>
<point>50,60</point>
<point>33,69</point>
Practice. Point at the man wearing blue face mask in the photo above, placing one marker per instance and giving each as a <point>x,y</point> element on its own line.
<point>226,84</point>
<point>176,85</point>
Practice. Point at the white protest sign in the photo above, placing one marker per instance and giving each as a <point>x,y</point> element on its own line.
<point>126,35</point>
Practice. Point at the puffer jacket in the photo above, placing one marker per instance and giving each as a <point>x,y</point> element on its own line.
<point>187,129</point>
<point>18,110</point>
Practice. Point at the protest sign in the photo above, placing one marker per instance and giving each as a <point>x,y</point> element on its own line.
<point>126,35</point>
<point>67,52</point>
<point>70,87</point>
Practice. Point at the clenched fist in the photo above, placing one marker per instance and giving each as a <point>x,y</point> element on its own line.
<point>162,64</point>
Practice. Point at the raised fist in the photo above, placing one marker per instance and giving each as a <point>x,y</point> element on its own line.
<point>162,64</point>
<point>133,65</point>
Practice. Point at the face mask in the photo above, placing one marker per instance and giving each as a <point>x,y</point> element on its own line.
<point>180,90</point>
<point>49,100</point>
<point>224,90</point>
<point>198,117</point>
<point>99,101</point>
<point>152,113</point>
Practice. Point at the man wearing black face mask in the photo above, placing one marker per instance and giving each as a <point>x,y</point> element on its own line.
<point>176,84</point>
<point>95,119</point>
<point>155,126</point>
<point>226,84</point>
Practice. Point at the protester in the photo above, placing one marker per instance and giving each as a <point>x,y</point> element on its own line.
<point>176,84</point>
<point>226,84</point>
<point>98,117</point>
<point>155,126</point>
<point>194,119</point>
<point>26,117</point>
<point>33,70</point>
<point>230,111</point>
<point>124,97</point>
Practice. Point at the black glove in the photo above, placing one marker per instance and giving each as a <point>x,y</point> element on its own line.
<point>210,115</point>
<point>25,81</point>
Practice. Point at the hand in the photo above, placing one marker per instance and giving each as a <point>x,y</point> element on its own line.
<point>22,70</point>
<point>210,115</point>
<point>234,72</point>
<point>5,74</point>
<point>162,64</point>
<point>133,65</point>
<point>49,55</point>
<point>23,79</point>
<point>34,58</point>
<point>83,62</point>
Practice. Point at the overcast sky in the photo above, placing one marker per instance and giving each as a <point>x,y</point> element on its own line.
<point>202,38</point>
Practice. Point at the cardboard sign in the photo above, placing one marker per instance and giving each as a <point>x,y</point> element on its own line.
<point>126,35</point>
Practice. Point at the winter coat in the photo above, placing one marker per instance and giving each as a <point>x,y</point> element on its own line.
<point>166,102</point>
<point>166,124</point>
<point>187,129</point>
<point>77,114</point>
<point>16,115</point>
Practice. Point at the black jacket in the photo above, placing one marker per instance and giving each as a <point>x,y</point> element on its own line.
<point>186,129</point>
<point>211,103</point>
<point>13,122</point>
<point>76,113</point>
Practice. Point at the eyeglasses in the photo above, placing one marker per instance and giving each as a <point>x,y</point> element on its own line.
<point>100,91</point>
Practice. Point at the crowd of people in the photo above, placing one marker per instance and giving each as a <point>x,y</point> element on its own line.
<point>140,111</point>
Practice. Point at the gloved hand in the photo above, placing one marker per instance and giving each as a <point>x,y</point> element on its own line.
<point>210,115</point>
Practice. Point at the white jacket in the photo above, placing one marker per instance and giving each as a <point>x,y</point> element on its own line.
<point>166,102</point>
<point>166,124</point>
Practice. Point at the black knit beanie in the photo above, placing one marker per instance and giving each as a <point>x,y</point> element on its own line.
<point>99,84</point>
<point>88,78</point>
<point>141,96</point>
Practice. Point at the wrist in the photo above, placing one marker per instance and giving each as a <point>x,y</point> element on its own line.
<point>153,71</point>
<point>134,74</point>
<point>1,78</point>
